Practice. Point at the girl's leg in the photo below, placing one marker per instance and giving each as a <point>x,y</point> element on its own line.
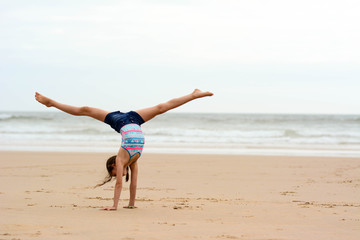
<point>96,113</point>
<point>149,113</point>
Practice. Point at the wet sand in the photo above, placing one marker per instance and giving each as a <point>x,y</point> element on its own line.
<point>47,195</point>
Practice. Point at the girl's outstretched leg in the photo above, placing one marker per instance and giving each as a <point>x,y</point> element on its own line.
<point>149,113</point>
<point>96,113</point>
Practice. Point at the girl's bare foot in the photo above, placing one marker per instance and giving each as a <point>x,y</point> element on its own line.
<point>43,100</point>
<point>130,207</point>
<point>199,94</point>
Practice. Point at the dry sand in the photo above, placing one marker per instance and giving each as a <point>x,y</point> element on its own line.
<point>50,196</point>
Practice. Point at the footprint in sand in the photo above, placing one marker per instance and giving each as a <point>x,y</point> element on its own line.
<point>99,198</point>
<point>5,234</point>
<point>43,191</point>
<point>56,206</point>
<point>37,234</point>
<point>288,193</point>
<point>227,237</point>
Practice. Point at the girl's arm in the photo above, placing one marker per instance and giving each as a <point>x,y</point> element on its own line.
<point>133,184</point>
<point>118,185</point>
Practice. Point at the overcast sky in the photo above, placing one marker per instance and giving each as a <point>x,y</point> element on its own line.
<point>276,56</point>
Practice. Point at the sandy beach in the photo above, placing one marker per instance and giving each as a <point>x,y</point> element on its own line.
<point>47,195</point>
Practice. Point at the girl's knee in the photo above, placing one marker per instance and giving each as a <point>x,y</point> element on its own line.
<point>162,108</point>
<point>85,110</point>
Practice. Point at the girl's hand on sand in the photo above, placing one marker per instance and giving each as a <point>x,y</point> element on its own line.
<point>130,207</point>
<point>109,209</point>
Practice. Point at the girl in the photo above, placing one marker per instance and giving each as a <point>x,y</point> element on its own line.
<point>128,125</point>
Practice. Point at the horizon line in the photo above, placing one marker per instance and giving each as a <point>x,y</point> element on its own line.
<point>180,112</point>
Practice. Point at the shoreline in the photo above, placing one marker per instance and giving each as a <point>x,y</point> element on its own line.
<point>352,151</point>
<point>195,134</point>
<point>155,153</point>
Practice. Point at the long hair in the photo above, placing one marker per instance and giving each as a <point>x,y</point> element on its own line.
<point>110,163</point>
<point>109,167</point>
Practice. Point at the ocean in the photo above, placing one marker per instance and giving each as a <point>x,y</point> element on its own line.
<point>248,134</point>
